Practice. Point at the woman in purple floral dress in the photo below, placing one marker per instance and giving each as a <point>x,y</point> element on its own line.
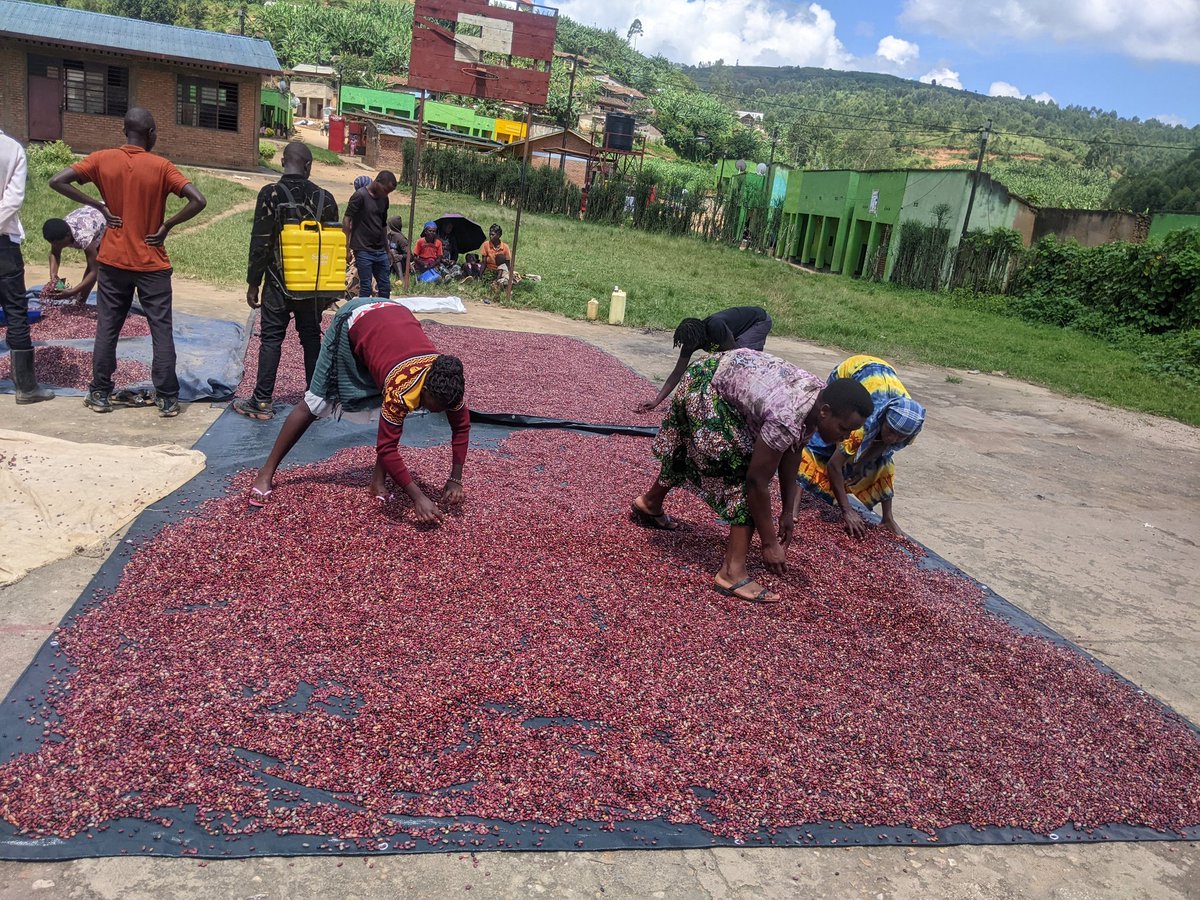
<point>736,421</point>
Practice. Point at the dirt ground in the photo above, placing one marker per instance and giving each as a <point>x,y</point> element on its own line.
<point>1045,498</point>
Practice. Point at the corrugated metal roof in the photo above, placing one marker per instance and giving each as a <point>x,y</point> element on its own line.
<point>79,28</point>
<point>400,131</point>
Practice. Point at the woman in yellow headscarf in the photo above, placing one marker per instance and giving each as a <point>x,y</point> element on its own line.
<point>862,464</point>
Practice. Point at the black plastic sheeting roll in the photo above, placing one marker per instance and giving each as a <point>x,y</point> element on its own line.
<point>515,420</point>
<point>235,443</point>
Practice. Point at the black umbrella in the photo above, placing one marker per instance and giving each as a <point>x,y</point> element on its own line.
<point>467,236</point>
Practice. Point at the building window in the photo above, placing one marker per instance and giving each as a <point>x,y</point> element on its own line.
<point>203,103</point>
<point>96,89</point>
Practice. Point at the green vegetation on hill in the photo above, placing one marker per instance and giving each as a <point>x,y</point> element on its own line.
<point>1175,188</point>
<point>1087,135</point>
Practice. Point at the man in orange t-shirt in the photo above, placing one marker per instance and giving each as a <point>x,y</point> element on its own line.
<point>133,184</point>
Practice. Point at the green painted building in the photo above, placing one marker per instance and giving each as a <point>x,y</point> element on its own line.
<point>825,204</point>
<point>848,222</point>
<point>275,111</point>
<point>384,103</point>
<point>442,115</point>
<point>874,213</point>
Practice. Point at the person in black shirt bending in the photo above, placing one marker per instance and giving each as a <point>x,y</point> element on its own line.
<point>278,306</point>
<point>366,235</point>
<point>741,327</point>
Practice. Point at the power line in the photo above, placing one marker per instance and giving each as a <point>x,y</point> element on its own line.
<point>1098,141</point>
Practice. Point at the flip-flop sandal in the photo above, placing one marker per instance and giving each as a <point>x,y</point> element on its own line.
<point>381,499</point>
<point>661,522</point>
<point>257,498</point>
<point>732,591</point>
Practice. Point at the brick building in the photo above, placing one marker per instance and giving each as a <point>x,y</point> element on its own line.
<point>570,151</point>
<point>70,74</point>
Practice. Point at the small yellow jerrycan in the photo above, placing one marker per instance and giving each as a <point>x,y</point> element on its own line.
<point>593,309</point>
<point>616,307</point>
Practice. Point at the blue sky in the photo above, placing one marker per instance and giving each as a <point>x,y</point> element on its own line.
<point>1138,57</point>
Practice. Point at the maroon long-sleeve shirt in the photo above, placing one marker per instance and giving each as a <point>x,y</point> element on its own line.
<point>389,341</point>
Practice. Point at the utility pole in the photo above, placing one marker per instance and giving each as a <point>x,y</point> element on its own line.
<point>984,133</point>
<point>241,14</point>
<point>562,157</point>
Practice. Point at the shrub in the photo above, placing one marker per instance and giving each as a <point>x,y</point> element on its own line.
<point>266,151</point>
<point>49,159</point>
<point>1152,287</point>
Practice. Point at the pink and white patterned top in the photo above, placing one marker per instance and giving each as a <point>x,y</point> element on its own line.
<point>87,226</point>
<point>773,395</point>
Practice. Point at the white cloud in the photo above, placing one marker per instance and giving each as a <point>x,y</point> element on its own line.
<point>756,32</point>
<point>1158,30</point>
<point>897,50</point>
<point>1171,119</point>
<point>1004,89</point>
<point>944,76</point>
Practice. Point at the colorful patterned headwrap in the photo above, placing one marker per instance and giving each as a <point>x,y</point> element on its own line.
<point>905,416</point>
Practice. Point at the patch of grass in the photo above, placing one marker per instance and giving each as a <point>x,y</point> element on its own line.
<point>217,254</point>
<point>667,279</point>
<point>953,379</point>
<point>41,204</point>
<point>326,156</point>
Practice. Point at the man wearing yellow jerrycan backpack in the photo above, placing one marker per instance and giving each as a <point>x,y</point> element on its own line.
<point>296,200</point>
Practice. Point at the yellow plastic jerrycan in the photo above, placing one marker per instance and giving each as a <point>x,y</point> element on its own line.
<point>593,308</point>
<point>314,259</point>
<point>616,307</point>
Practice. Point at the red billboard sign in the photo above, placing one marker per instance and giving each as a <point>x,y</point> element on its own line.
<point>494,49</point>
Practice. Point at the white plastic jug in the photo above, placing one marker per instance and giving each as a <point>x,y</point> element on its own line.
<point>616,307</point>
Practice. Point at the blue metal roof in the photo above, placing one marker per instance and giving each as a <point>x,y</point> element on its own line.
<point>89,30</point>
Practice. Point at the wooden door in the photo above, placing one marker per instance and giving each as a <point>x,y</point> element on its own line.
<point>45,108</point>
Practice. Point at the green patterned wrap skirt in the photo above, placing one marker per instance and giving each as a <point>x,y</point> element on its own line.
<point>704,445</point>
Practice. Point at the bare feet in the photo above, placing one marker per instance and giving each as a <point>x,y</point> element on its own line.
<point>890,525</point>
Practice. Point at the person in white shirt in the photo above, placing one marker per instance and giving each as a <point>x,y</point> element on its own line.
<point>12,272</point>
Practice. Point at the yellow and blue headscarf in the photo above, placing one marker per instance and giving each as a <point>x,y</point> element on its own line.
<point>892,404</point>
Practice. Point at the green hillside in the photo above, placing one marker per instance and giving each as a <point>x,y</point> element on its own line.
<point>1071,156</point>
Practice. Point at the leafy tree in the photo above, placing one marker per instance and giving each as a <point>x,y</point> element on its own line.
<point>635,31</point>
<point>1171,189</point>
<point>372,37</point>
<point>163,11</point>
<point>684,116</point>
<point>744,143</point>
<point>585,94</point>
